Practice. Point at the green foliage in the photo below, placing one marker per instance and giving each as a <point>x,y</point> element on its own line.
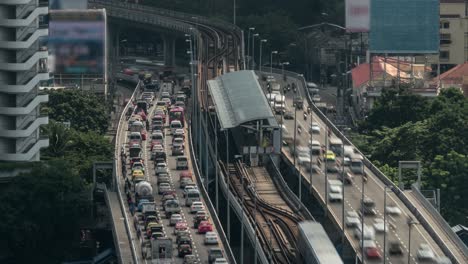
<point>39,215</point>
<point>433,131</point>
<point>84,110</point>
<point>79,149</point>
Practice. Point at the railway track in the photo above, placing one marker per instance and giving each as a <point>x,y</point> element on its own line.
<point>277,227</point>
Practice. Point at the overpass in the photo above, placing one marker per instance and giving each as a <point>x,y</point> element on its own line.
<point>427,225</point>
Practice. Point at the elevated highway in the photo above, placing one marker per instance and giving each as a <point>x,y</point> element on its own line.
<point>215,49</point>
<point>423,229</point>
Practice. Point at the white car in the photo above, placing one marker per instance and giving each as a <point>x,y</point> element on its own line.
<point>393,210</point>
<point>220,261</point>
<point>211,238</point>
<point>164,187</point>
<point>425,252</point>
<point>161,168</point>
<point>316,98</point>
<point>314,128</point>
<point>179,133</point>
<point>165,95</point>
<point>379,225</point>
<point>175,218</point>
<point>178,142</point>
<point>188,188</point>
<point>369,233</point>
<point>196,206</point>
<point>352,219</point>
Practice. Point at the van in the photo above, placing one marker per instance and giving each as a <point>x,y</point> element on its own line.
<point>192,196</point>
<point>336,145</point>
<point>176,124</point>
<point>357,165</point>
<point>181,163</point>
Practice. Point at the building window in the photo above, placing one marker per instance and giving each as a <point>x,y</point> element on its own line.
<point>445,39</point>
<point>444,24</point>
<point>444,55</point>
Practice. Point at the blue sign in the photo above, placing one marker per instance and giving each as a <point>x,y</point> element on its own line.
<point>404,26</point>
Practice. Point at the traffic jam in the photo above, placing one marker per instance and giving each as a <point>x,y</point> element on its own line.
<point>169,216</point>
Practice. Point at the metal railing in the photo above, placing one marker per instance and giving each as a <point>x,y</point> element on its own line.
<point>117,176</point>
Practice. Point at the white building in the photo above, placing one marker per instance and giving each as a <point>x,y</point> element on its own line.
<point>23,64</point>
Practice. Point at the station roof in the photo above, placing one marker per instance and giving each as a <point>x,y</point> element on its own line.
<point>238,99</point>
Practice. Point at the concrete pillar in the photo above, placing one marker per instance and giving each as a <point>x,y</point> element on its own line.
<point>169,50</point>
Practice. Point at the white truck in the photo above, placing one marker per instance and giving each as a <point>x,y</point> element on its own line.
<point>335,191</point>
<point>280,103</point>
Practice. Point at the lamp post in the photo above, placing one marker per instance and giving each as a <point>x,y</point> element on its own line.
<point>242,218</point>
<point>271,60</point>
<point>228,191</point>
<point>253,49</point>
<point>410,223</point>
<point>234,12</point>
<point>248,43</point>
<point>282,66</point>
<point>260,59</point>
<point>385,226</point>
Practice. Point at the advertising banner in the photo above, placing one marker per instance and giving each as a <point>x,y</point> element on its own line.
<point>357,15</point>
<point>404,26</point>
<point>77,41</point>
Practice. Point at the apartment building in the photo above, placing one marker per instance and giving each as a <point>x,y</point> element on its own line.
<point>23,65</point>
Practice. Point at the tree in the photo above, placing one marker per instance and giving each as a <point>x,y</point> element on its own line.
<point>40,214</point>
<point>84,110</point>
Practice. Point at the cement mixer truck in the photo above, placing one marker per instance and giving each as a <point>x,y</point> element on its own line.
<point>144,190</point>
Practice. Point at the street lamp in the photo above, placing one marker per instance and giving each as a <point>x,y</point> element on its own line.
<point>410,223</point>
<point>282,66</point>
<point>248,42</point>
<point>271,60</point>
<point>253,49</point>
<point>260,65</point>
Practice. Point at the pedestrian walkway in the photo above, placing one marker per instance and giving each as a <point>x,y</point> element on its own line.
<point>118,229</point>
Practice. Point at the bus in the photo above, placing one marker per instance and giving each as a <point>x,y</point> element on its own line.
<point>315,247</point>
<point>176,113</point>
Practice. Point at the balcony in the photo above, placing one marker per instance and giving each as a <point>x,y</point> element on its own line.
<point>33,126</point>
<point>29,153</point>
<point>16,45</point>
<point>16,111</point>
<point>26,21</point>
<point>27,87</point>
<point>24,66</point>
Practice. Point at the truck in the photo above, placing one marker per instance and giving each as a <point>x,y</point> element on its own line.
<point>275,87</point>
<point>161,248</point>
<point>144,190</point>
<point>298,102</point>
<point>335,190</point>
<point>314,245</point>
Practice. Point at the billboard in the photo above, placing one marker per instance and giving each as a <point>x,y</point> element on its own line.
<point>357,15</point>
<point>77,41</point>
<point>404,26</point>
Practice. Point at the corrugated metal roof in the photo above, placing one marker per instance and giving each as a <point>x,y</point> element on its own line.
<point>238,99</point>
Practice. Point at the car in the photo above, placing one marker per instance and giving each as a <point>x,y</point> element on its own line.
<point>348,178</point>
<point>175,218</point>
<point>373,253</point>
<point>161,168</point>
<point>369,207</point>
<point>177,150</point>
<point>167,101</point>
<point>181,163</point>
<point>425,252</point>
<point>165,95</point>
<point>379,225</point>
<point>187,189</point>
<point>181,235</point>
<point>329,155</point>
<point>179,133</point>
<point>190,259</point>
<point>369,233</point>
<point>141,202</point>
<point>316,98</point>
<point>213,254</point>
<point>177,141</point>
<point>186,181</point>
<point>180,226</point>
<point>288,115</point>
<point>442,260</point>
<point>205,226</point>
<point>211,238</point>
<point>184,249</point>
<point>220,261</point>
<point>196,206</point>
<point>395,248</point>
<point>393,210</point>
<point>314,128</point>
<point>164,187</point>
<point>352,219</point>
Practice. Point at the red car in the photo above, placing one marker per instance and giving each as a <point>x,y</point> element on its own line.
<point>180,226</point>
<point>205,226</point>
<point>373,253</point>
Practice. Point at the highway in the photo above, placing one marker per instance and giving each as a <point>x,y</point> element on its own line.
<point>199,248</point>
<point>373,188</point>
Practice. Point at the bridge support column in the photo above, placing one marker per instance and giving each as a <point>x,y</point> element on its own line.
<point>169,50</point>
